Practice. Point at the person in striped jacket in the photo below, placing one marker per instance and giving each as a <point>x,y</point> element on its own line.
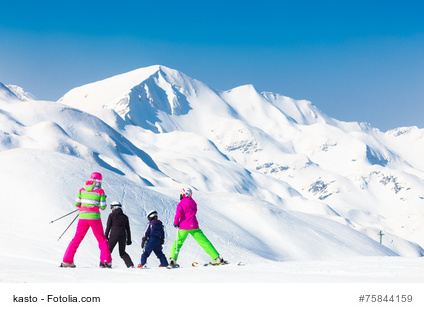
<point>90,200</point>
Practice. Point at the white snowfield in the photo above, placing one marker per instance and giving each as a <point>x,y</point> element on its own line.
<point>295,195</point>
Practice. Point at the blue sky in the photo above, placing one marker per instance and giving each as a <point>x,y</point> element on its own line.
<point>354,60</point>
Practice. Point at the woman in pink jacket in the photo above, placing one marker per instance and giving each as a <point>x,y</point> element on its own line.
<point>185,219</point>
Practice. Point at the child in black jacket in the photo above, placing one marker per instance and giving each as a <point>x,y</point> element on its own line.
<point>155,237</point>
<point>119,228</point>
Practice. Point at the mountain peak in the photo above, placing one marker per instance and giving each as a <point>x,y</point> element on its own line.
<point>142,97</point>
<point>6,94</point>
<point>21,93</point>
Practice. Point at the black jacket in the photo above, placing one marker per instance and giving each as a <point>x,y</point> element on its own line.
<point>118,225</point>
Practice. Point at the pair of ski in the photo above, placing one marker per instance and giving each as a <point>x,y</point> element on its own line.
<point>197,264</point>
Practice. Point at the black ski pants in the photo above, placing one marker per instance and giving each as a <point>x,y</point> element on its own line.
<point>122,241</point>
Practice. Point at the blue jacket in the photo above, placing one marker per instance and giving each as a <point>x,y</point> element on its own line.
<point>155,229</point>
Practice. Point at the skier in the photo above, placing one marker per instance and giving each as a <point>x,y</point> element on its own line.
<point>118,227</point>
<point>185,220</point>
<point>155,238</point>
<point>91,198</point>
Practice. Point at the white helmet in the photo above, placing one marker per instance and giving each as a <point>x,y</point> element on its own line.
<point>186,192</point>
<point>115,205</point>
<point>152,215</point>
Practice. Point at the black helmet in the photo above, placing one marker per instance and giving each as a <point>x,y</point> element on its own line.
<point>152,215</point>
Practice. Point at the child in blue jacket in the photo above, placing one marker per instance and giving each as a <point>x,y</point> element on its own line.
<point>153,239</point>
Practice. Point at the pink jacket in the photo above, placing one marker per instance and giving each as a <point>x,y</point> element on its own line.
<point>185,218</point>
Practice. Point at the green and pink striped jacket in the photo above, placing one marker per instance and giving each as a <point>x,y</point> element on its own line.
<point>91,198</point>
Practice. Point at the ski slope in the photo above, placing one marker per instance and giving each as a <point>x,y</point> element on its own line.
<point>296,195</point>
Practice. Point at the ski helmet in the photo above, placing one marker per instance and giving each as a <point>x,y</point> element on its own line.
<point>152,215</point>
<point>186,192</point>
<point>96,176</point>
<point>115,205</point>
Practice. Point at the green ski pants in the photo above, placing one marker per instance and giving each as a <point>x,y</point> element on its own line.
<point>199,237</point>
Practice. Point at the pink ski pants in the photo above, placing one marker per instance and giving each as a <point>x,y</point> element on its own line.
<point>82,228</point>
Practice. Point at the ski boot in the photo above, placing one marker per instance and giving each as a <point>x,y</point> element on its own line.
<point>172,264</point>
<point>105,264</point>
<point>218,261</point>
<point>67,265</point>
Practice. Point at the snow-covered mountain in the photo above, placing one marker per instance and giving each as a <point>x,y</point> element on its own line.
<point>6,95</point>
<point>353,170</point>
<point>275,178</point>
<point>21,93</point>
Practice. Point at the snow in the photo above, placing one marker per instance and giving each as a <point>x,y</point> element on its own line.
<point>6,95</point>
<point>297,196</point>
<point>21,93</point>
<point>358,270</point>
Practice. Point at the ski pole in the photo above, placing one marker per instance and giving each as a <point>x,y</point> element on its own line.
<point>63,216</point>
<point>68,227</point>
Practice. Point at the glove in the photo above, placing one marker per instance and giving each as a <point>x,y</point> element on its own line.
<point>176,226</point>
<point>129,242</point>
<point>143,241</point>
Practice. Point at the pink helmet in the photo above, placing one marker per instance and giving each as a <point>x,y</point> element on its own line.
<point>96,176</point>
